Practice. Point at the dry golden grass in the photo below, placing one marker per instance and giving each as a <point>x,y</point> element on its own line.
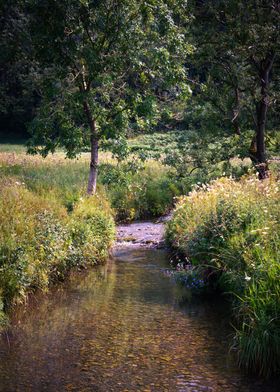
<point>58,158</point>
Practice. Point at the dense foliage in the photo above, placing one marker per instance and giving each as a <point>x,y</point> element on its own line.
<point>106,64</point>
<point>147,191</point>
<point>18,71</point>
<point>229,232</point>
<point>40,242</point>
<point>235,67</point>
<point>117,68</point>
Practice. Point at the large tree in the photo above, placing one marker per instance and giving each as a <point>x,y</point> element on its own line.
<point>236,59</point>
<point>105,65</point>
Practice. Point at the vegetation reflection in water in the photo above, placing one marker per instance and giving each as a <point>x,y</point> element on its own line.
<point>120,327</point>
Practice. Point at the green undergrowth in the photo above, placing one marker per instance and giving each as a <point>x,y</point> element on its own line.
<point>136,190</point>
<point>229,234</point>
<point>40,241</point>
<point>144,192</point>
<point>155,145</point>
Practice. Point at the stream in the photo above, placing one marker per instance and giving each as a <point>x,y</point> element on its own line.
<point>124,326</point>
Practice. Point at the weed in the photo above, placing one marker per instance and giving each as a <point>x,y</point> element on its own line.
<point>230,232</point>
<point>40,241</point>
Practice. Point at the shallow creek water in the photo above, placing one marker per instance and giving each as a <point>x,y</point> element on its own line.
<point>120,327</point>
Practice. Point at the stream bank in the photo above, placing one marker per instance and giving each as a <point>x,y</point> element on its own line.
<point>121,327</point>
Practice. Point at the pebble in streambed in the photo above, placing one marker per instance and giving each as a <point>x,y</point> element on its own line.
<point>140,235</point>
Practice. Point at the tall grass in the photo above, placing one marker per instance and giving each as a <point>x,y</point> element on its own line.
<point>136,190</point>
<point>48,225</point>
<point>229,232</point>
<point>40,241</point>
<point>147,192</point>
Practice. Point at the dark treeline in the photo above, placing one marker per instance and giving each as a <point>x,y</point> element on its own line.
<point>18,93</point>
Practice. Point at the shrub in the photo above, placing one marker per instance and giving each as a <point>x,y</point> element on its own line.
<point>138,193</point>
<point>230,232</point>
<point>40,242</point>
<point>92,231</point>
<point>31,239</point>
<point>3,318</point>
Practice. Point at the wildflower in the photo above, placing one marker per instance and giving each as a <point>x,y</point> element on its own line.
<point>247,278</point>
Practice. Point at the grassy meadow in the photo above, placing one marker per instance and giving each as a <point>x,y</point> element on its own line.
<point>136,190</point>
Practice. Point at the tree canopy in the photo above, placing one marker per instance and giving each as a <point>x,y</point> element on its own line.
<point>236,62</point>
<point>105,66</point>
<point>86,74</point>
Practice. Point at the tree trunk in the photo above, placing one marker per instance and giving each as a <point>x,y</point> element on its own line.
<point>94,145</point>
<point>261,108</point>
<point>235,119</point>
<point>93,167</point>
<point>261,111</point>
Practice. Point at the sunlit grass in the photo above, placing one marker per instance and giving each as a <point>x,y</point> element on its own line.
<point>12,148</point>
<point>135,189</point>
<point>230,232</point>
<point>40,241</point>
<point>55,175</point>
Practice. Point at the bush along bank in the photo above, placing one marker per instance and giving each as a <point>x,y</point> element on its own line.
<point>229,234</point>
<point>139,191</point>
<point>40,242</point>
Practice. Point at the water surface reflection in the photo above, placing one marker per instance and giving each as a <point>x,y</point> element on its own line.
<point>120,327</point>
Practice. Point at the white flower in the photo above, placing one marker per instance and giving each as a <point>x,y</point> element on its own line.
<point>247,278</point>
